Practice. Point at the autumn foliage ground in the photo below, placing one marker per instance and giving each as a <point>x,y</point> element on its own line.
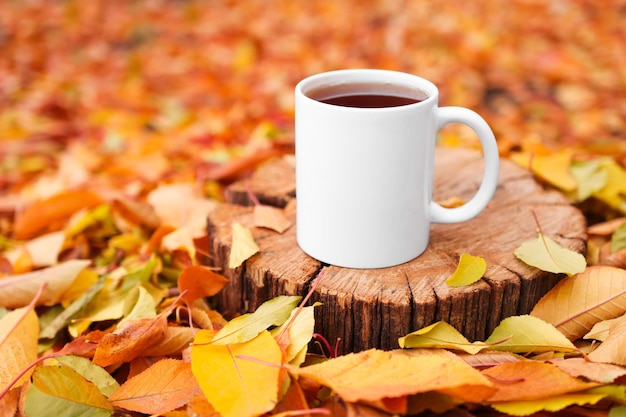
<point>121,122</point>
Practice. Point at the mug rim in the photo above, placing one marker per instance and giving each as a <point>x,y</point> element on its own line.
<point>363,75</point>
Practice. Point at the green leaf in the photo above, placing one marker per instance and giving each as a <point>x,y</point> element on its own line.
<point>139,305</point>
<point>246,327</point>
<point>618,239</point>
<point>528,334</point>
<point>590,176</point>
<point>63,318</point>
<point>91,372</point>
<point>469,270</point>
<point>440,335</point>
<point>61,391</point>
<point>615,189</point>
<point>547,255</point>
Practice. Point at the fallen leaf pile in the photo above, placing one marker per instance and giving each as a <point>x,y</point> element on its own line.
<point>121,123</point>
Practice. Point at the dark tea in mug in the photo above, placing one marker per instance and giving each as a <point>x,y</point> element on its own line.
<point>366,95</point>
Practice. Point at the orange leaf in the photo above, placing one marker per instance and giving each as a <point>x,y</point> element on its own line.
<point>197,281</point>
<point>154,244</point>
<point>163,387</point>
<point>130,341</point>
<point>531,380</point>
<point>41,214</point>
<point>374,375</point>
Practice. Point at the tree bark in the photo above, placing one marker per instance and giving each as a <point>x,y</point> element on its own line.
<point>372,308</point>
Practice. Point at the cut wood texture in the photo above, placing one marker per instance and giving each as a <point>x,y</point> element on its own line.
<point>372,308</point>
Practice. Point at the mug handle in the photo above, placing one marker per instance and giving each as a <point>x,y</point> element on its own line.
<point>472,208</point>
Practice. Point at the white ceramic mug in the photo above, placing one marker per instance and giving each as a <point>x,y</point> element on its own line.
<point>364,175</point>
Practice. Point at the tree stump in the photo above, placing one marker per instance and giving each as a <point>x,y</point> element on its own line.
<point>372,308</point>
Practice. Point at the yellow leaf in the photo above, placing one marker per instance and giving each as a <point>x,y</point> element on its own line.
<point>300,332</point>
<point>553,168</point>
<point>374,375</point>
<point>547,255</point>
<point>243,245</point>
<point>60,390</point>
<point>241,379</point>
<point>440,335</point>
<point>615,189</point>
<point>577,303</point>
<point>528,334</point>
<point>552,404</point>
<point>469,270</point>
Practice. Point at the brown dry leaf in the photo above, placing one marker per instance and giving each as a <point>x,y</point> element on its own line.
<point>531,380</point>
<point>271,218</point>
<point>612,349</point>
<point>373,375</point>
<point>165,386</point>
<point>130,341</point>
<point>197,281</point>
<point>40,215</point>
<point>578,302</point>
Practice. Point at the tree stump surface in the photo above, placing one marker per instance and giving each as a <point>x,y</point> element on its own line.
<point>372,308</point>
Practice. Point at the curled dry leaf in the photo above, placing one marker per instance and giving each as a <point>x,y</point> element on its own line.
<point>578,302</point>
